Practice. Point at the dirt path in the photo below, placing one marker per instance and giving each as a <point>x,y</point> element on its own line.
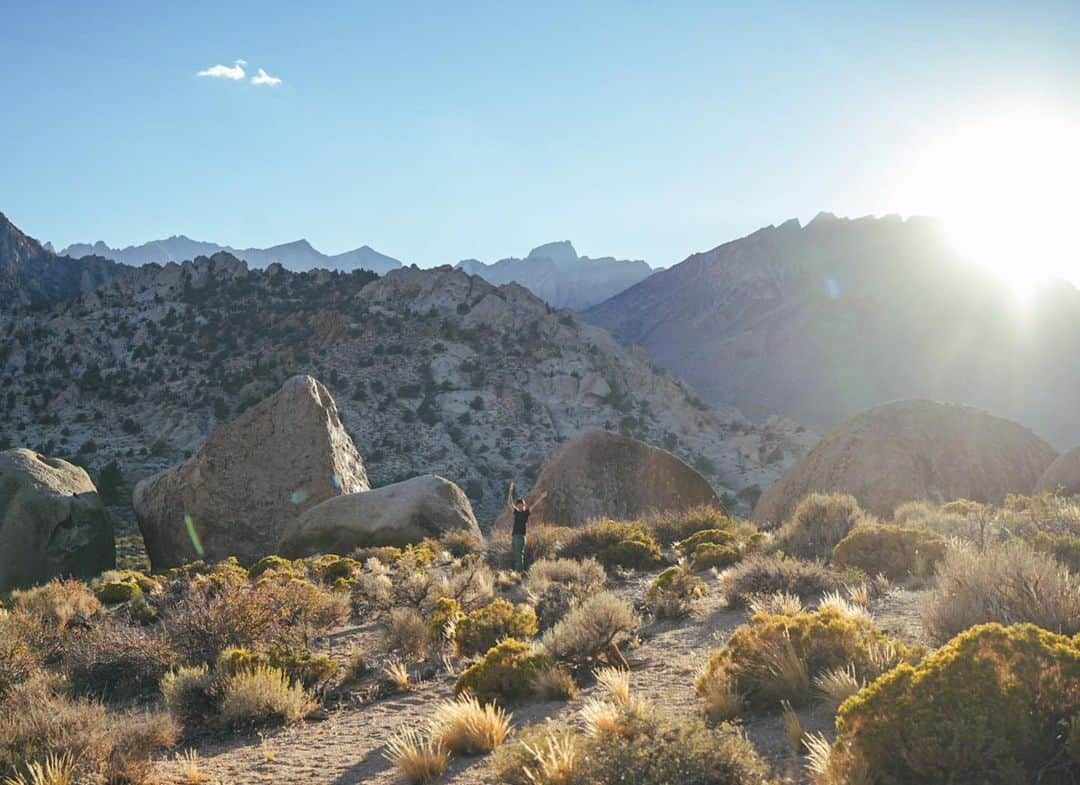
<point>346,748</point>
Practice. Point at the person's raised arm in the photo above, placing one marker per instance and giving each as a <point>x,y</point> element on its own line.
<point>538,499</point>
<point>510,496</point>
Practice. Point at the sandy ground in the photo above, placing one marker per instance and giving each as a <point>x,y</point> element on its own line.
<point>346,748</point>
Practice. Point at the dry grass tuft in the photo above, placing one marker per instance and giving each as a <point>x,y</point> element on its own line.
<point>552,682</point>
<point>616,681</point>
<point>786,667</point>
<point>419,757</point>
<point>846,607</point>
<point>722,701</point>
<point>191,771</point>
<point>553,760</point>
<point>793,726</point>
<point>778,602</point>
<point>53,770</point>
<point>465,727</point>
<point>837,685</point>
<point>397,673</point>
<point>263,694</point>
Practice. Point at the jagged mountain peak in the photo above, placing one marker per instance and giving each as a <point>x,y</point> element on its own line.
<point>559,251</point>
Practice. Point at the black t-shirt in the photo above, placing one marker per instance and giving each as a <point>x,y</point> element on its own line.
<point>521,517</point>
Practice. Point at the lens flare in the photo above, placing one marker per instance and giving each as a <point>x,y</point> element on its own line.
<point>299,496</point>
<point>193,535</point>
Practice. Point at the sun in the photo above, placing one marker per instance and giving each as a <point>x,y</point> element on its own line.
<point>1007,187</point>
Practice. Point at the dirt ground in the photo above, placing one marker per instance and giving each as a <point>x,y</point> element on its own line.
<point>346,748</point>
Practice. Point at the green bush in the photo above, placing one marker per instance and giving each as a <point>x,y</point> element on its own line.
<point>615,544</point>
<point>1063,547</point>
<point>894,551</point>
<point>994,705</point>
<point>819,522</point>
<point>506,673</point>
<point>761,574</point>
<point>116,592</point>
<point>710,536</point>
<point>338,568</point>
<point>483,628</point>
<point>445,611</point>
<point>272,562</point>
<point>671,595</point>
<point>708,555</point>
<point>776,656</point>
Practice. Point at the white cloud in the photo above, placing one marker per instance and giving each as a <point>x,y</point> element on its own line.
<point>263,78</point>
<point>235,72</point>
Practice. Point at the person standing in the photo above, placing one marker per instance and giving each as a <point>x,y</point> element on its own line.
<point>521,511</point>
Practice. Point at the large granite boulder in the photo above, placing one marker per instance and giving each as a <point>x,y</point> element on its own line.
<point>1063,475</point>
<point>52,522</point>
<point>399,514</point>
<point>605,474</point>
<point>913,450</point>
<point>250,480</point>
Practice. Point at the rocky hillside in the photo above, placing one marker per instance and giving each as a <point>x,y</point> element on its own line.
<point>32,275</point>
<point>434,371</point>
<point>557,275</point>
<point>822,321</point>
<point>298,256</point>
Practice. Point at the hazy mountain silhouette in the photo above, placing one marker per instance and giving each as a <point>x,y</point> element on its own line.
<point>298,256</point>
<point>822,321</point>
<point>556,274</point>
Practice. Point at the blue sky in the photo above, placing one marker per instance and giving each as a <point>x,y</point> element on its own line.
<point>439,131</point>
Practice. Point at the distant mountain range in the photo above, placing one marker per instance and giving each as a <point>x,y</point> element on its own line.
<point>557,275</point>
<point>298,256</point>
<point>32,274</point>
<point>822,321</point>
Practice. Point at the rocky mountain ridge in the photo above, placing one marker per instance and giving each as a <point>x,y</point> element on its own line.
<point>434,371</point>
<point>298,256</point>
<point>823,321</point>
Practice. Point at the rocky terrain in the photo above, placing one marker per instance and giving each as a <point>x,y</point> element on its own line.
<point>823,321</point>
<point>298,256</point>
<point>33,275</point>
<point>434,371</point>
<point>557,275</point>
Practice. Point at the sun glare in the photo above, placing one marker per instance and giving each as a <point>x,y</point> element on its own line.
<point>1008,189</point>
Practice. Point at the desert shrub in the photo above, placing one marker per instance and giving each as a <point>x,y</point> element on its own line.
<point>553,683</point>
<point>213,615</point>
<point>471,583</point>
<point>505,673</point>
<point>116,592</point>
<point>116,662</point>
<point>911,513</point>
<point>37,722</point>
<point>20,657</point>
<point>1063,547</point>
<point>819,522</point>
<point>407,633</point>
<point>273,562</point>
<point>467,727</point>
<point>615,544</point>
<point>307,669</point>
<point>592,631</point>
<point>671,527</point>
<point>894,551</point>
<point>460,543</point>
<point>335,569</point>
<point>993,705</point>
<point>708,556</point>
<point>58,602</point>
<point>191,695</point>
<point>384,554</point>
<point>483,628</point>
<point>705,536</point>
<point>261,695</point>
<point>761,574</point>
<point>418,756</point>
<point>540,754</point>
<point>775,657</point>
<point>1007,583</point>
<point>445,615</point>
<point>553,585</point>
<point>671,595</point>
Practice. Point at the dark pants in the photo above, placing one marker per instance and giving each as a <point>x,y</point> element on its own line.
<point>517,546</point>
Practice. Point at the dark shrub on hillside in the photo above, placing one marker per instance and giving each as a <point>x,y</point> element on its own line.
<point>767,574</point>
<point>671,595</point>
<point>819,522</point>
<point>894,551</point>
<point>708,556</point>
<point>116,662</point>
<point>994,705</point>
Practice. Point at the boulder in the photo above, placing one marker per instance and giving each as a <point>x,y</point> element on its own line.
<point>1063,475</point>
<point>605,474</point>
<point>250,480</point>
<point>52,522</point>
<point>399,514</point>
<point>913,450</point>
